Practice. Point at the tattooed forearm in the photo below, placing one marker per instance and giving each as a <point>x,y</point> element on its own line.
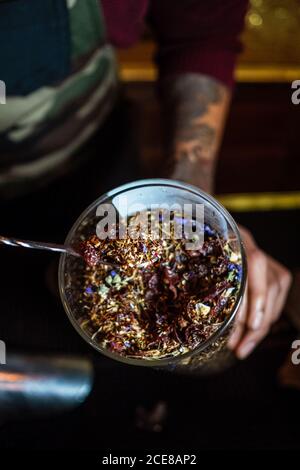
<point>195,109</point>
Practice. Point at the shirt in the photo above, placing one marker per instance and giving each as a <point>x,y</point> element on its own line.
<point>58,64</point>
<point>200,36</point>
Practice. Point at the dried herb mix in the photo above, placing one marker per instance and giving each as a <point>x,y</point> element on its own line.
<point>163,300</point>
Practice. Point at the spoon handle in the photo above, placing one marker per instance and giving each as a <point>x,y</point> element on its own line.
<point>38,245</point>
<point>48,247</point>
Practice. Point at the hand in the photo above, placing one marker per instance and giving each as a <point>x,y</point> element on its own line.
<point>266,291</point>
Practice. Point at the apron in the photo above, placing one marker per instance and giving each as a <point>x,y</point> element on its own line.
<point>60,77</point>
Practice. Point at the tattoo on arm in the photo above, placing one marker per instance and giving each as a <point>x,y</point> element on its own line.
<point>195,109</point>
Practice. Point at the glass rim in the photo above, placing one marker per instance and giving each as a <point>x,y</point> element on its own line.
<point>202,346</point>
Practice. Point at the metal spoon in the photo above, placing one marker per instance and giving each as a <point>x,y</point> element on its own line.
<point>47,246</point>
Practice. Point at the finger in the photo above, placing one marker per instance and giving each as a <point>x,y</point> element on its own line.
<point>236,336</point>
<point>278,282</point>
<point>250,341</point>
<point>257,263</point>
<point>239,323</point>
<point>257,278</point>
<point>255,332</point>
<point>248,239</point>
<point>272,297</point>
<point>242,311</point>
<point>283,280</point>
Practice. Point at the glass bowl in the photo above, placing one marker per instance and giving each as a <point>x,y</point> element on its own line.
<point>211,353</point>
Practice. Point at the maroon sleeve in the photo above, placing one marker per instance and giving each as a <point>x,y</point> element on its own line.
<point>198,36</point>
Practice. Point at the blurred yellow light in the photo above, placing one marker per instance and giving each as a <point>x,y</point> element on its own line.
<point>255,19</point>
